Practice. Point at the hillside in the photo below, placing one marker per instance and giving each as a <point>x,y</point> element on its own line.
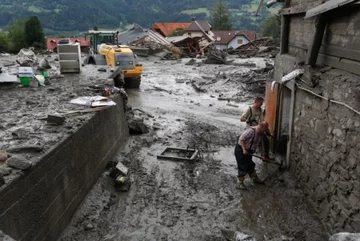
<point>68,15</point>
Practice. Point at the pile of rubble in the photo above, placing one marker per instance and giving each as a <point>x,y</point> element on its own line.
<point>215,56</point>
<point>263,47</point>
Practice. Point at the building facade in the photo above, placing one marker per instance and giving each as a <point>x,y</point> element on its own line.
<point>313,106</point>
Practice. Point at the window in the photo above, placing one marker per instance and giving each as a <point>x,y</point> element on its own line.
<point>240,41</point>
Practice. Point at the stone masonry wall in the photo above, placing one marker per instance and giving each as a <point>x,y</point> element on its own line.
<point>326,149</point>
<point>39,205</point>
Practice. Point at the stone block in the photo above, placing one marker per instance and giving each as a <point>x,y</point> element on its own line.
<point>337,132</point>
<point>345,186</point>
<point>342,202</point>
<point>354,201</point>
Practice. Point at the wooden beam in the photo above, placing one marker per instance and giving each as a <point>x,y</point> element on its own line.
<point>327,6</point>
<point>339,63</point>
<point>294,10</point>
<point>285,30</point>
<point>259,8</point>
<point>316,40</point>
<point>352,54</point>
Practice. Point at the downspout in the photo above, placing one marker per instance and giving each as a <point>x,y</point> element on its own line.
<point>291,85</point>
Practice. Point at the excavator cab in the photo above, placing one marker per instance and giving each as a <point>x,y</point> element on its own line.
<point>104,50</point>
<point>101,37</point>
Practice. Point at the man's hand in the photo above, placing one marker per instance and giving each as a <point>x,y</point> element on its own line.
<point>263,157</point>
<point>245,152</point>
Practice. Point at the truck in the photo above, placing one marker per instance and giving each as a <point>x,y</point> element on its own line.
<point>104,50</point>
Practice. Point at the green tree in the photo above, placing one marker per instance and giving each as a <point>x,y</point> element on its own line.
<point>271,27</point>
<point>221,16</point>
<point>16,36</point>
<point>4,42</point>
<point>34,33</point>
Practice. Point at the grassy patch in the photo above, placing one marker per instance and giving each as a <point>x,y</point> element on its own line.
<point>196,11</point>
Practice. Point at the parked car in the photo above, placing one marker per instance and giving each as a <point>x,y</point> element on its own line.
<point>64,41</point>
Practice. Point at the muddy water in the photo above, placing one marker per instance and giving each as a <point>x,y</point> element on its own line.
<point>190,200</point>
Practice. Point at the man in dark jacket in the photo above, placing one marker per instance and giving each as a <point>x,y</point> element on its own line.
<point>247,144</point>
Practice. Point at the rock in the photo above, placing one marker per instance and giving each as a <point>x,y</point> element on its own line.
<point>4,237</point>
<point>5,171</point>
<point>345,237</point>
<point>3,156</point>
<point>55,119</point>
<point>88,227</point>
<point>26,57</point>
<point>191,62</point>
<point>19,162</point>
<point>44,64</point>
<point>2,180</point>
<point>137,127</point>
<point>22,133</point>
<point>102,70</point>
<point>25,148</point>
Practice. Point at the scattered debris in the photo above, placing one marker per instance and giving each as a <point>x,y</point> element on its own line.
<point>26,57</point>
<point>55,119</point>
<point>44,64</point>
<point>215,56</point>
<point>191,62</point>
<point>179,154</point>
<point>22,132</point>
<point>236,236</point>
<point>102,70</point>
<point>258,48</point>
<point>93,101</point>
<point>25,148</point>
<point>137,126</point>
<point>19,162</point>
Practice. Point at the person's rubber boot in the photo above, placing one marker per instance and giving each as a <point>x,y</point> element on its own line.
<point>241,184</point>
<point>256,178</point>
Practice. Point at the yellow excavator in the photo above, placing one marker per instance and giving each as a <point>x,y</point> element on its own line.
<point>105,51</point>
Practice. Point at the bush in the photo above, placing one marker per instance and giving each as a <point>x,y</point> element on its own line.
<point>4,42</point>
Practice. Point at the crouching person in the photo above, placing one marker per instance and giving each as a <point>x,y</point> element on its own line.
<point>247,144</point>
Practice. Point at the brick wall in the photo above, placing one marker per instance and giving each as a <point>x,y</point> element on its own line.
<point>38,205</point>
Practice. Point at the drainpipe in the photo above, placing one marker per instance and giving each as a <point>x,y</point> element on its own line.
<point>291,85</point>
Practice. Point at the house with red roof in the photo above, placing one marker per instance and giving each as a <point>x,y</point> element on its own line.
<point>52,42</point>
<point>167,29</point>
<point>232,38</point>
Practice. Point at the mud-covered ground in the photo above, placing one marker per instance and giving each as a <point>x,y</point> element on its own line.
<point>23,111</point>
<point>191,200</point>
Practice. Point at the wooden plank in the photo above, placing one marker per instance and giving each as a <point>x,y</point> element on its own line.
<point>327,6</point>
<point>259,8</point>
<point>300,8</point>
<point>316,40</point>
<point>352,54</point>
<point>271,103</point>
<point>339,63</point>
<point>294,10</point>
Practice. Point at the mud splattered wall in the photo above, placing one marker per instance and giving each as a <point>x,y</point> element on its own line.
<point>325,147</point>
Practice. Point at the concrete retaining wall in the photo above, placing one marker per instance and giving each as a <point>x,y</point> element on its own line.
<point>40,204</point>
